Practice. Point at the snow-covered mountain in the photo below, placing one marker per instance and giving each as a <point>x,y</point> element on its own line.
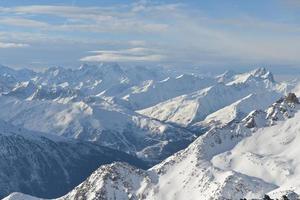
<point>102,122</point>
<point>152,92</point>
<point>10,77</point>
<point>46,165</point>
<point>28,90</point>
<point>238,110</point>
<point>94,79</point>
<point>62,118</point>
<point>66,102</point>
<point>247,159</point>
<point>191,108</point>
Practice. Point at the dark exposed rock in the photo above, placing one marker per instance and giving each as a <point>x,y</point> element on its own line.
<point>292,98</point>
<point>267,197</point>
<point>250,123</point>
<point>284,197</point>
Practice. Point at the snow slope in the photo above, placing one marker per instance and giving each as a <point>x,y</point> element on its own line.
<point>270,154</point>
<point>20,196</point>
<point>191,108</point>
<point>152,92</point>
<point>212,181</point>
<point>239,109</point>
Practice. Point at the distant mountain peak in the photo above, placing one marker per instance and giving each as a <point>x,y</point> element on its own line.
<point>263,73</point>
<point>226,76</point>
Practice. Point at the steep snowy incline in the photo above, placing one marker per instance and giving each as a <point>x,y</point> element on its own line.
<point>47,165</point>
<point>152,92</point>
<point>20,196</point>
<point>259,73</point>
<point>271,154</point>
<point>238,110</point>
<point>116,181</point>
<point>188,109</point>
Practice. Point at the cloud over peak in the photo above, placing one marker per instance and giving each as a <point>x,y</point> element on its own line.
<point>138,54</point>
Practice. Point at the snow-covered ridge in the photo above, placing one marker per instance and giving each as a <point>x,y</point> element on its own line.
<point>191,108</point>
<point>195,161</point>
<point>153,92</point>
<point>115,181</point>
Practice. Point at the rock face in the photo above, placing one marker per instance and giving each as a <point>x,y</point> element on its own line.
<point>292,98</point>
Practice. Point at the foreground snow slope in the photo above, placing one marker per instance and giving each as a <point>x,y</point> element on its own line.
<point>245,159</point>
<point>20,196</point>
<point>194,167</point>
<point>271,154</point>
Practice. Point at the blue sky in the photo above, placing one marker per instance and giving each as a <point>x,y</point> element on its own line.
<point>214,33</point>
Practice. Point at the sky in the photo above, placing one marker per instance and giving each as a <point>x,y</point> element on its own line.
<point>187,33</point>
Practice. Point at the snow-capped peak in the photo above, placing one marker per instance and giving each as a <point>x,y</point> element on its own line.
<point>259,74</point>
<point>226,76</point>
<point>263,73</point>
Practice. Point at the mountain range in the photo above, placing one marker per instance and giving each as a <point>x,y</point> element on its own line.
<point>140,133</point>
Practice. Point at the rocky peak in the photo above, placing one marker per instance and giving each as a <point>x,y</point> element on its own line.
<point>292,98</point>
<point>263,73</point>
<point>282,109</point>
<point>226,76</point>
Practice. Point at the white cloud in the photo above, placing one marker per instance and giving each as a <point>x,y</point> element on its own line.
<point>184,34</point>
<point>22,22</point>
<point>85,19</point>
<point>137,54</point>
<point>12,45</point>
